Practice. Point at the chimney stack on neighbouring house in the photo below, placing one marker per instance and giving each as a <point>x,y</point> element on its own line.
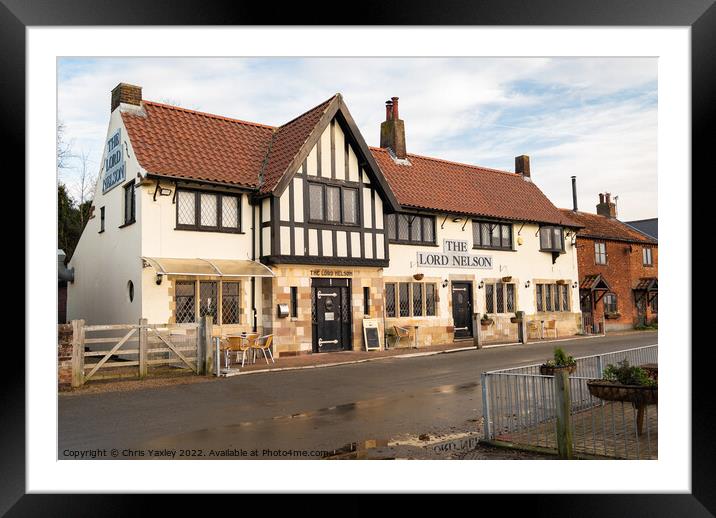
<point>127,94</point>
<point>574,193</point>
<point>522,166</point>
<point>392,130</point>
<point>606,207</point>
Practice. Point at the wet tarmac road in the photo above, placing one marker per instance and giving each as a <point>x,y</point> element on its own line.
<point>301,414</point>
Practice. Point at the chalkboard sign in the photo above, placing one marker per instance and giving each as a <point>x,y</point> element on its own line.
<point>371,334</point>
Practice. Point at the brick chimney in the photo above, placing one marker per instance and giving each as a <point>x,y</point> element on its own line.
<point>392,130</point>
<point>127,94</point>
<point>522,166</point>
<point>606,206</point>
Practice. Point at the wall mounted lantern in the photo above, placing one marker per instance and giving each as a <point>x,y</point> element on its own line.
<point>481,285</point>
<point>528,284</point>
<point>445,283</point>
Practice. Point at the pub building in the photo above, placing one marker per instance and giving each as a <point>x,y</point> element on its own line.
<point>302,231</point>
<point>618,265</point>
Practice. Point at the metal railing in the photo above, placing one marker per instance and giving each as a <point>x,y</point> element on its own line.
<point>519,406</point>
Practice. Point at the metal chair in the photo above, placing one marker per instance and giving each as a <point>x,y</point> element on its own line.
<point>263,344</point>
<point>400,332</point>
<point>225,348</point>
<point>239,345</point>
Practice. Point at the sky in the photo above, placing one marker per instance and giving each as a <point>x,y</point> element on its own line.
<point>595,118</point>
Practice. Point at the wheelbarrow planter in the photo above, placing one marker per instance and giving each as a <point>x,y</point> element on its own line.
<point>549,370</point>
<point>638,395</point>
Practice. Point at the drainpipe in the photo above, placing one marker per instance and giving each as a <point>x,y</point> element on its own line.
<point>64,273</point>
<point>253,258</point>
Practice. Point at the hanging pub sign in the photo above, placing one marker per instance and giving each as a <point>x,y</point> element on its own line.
<point>454,255</point>
<point>114,167</point>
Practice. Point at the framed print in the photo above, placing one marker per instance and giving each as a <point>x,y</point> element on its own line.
<point>247,165</point>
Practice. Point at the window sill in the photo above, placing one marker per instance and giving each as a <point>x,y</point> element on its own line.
<point>128,223</point>
<point>411,243</point>
<point>101,232</point>
<point>494,249</point>
<point>552,251</point>
<point>212,230</point>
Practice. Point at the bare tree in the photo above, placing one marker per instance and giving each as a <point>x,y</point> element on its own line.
<point>85,185</point>
<point>64,148</point>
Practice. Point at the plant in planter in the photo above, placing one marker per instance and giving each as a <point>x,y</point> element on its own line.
<point>418,276</point>
<point>560,361</point>
<point>614,315</point>
<point>626,383</point>
<point>486,321</point>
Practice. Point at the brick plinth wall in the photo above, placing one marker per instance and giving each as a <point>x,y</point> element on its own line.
<point>64,356</point>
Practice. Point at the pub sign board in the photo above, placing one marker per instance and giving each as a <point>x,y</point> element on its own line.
<point>454,255</point>
<point>114,166</point>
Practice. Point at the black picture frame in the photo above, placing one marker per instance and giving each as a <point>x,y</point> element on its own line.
<point>700,15</point>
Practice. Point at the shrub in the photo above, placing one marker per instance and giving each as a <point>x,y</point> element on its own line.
<point>561,359</point>
<point>626,374</point>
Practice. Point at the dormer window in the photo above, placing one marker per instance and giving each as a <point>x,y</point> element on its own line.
<point>551,239</point>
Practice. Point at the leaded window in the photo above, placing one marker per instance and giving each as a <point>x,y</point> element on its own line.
<point>350,206</point>
<point>552,297</point>
<point>555,296</point>
<point>540,296</point>
<point>333,204</point>
<point>430,300</point>
<point>489,298</point>
<point>390,300</point>
<point>510,297</point>
<point>547,297</point>
<point>185,302</point>
<point>565,297</point>
<point>230,302</point>
<point>417,299</point>
<point>213,211</point>
<point>410,228</point>
<point>315,198</point>
<point>486,234</point>
<point>404,299</point>
<point>500,297</point>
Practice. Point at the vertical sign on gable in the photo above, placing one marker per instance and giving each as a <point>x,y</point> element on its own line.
<point>114,167</point>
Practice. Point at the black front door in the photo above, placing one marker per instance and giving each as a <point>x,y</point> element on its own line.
<point>331,314</point>
<point>462,309</point>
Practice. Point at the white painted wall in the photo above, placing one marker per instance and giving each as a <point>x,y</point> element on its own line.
<point>526,263</point>
<point>104,263</point>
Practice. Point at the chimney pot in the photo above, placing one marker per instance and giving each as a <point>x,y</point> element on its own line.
<point>392,130</point>
<point>606,207</point>
<point>522,165</point>
<point>126,93</point>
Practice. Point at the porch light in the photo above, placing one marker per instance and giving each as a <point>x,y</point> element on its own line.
<point>445,283</point>
<point>574,284</point>
<point>481,285</point>
<point>158,279</point>
<point>528,284</point>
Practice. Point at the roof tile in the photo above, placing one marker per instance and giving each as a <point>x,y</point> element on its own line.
<point>601,227</point>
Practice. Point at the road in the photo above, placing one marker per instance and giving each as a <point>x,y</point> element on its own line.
<point>304,411</point>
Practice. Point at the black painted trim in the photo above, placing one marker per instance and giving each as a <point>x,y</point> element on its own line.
<point>337,261</point>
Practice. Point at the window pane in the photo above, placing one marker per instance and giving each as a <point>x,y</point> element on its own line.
<point>548,297</point>
<point>230,303</point>
<point>495,233</point>
<point>129,203</point>
<point>546,238</point>
<point>540,306</point>
<point>555,298</point>
<point>428,229</point>
<point>417,299</point>
<point>186,215</point>
<point>403,227</point>
<point>350,206</point>
<point>208,294</point>
<point>315,198</point>
<point>565,297</point>
<point>557,238</point>
<point>510,297</point>
<point>403,293</point>
<point>476,234</point>
<point>390,226</point>
<point>430,300</point>
<point>489,298</point>
<point>184,311</point>
<point>229,212</point>
<point>208,210</point>
<point>333,204</point>
<point>390,300</point>
<point>485,234</point>
<point>416,229</point>
<point>500,296</point>
<point>506,236</point>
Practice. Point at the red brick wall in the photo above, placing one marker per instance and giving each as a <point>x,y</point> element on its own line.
<point>622,272</point>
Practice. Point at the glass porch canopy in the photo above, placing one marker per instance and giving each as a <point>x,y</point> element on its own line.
<point>208,267</point>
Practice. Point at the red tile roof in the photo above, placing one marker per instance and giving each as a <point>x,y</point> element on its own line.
<point>431,183</point>
<point>601,227</point>
<point>183,143</point>
<point>287,141</point>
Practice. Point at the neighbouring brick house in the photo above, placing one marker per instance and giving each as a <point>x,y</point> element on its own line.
<point>618,268</point>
